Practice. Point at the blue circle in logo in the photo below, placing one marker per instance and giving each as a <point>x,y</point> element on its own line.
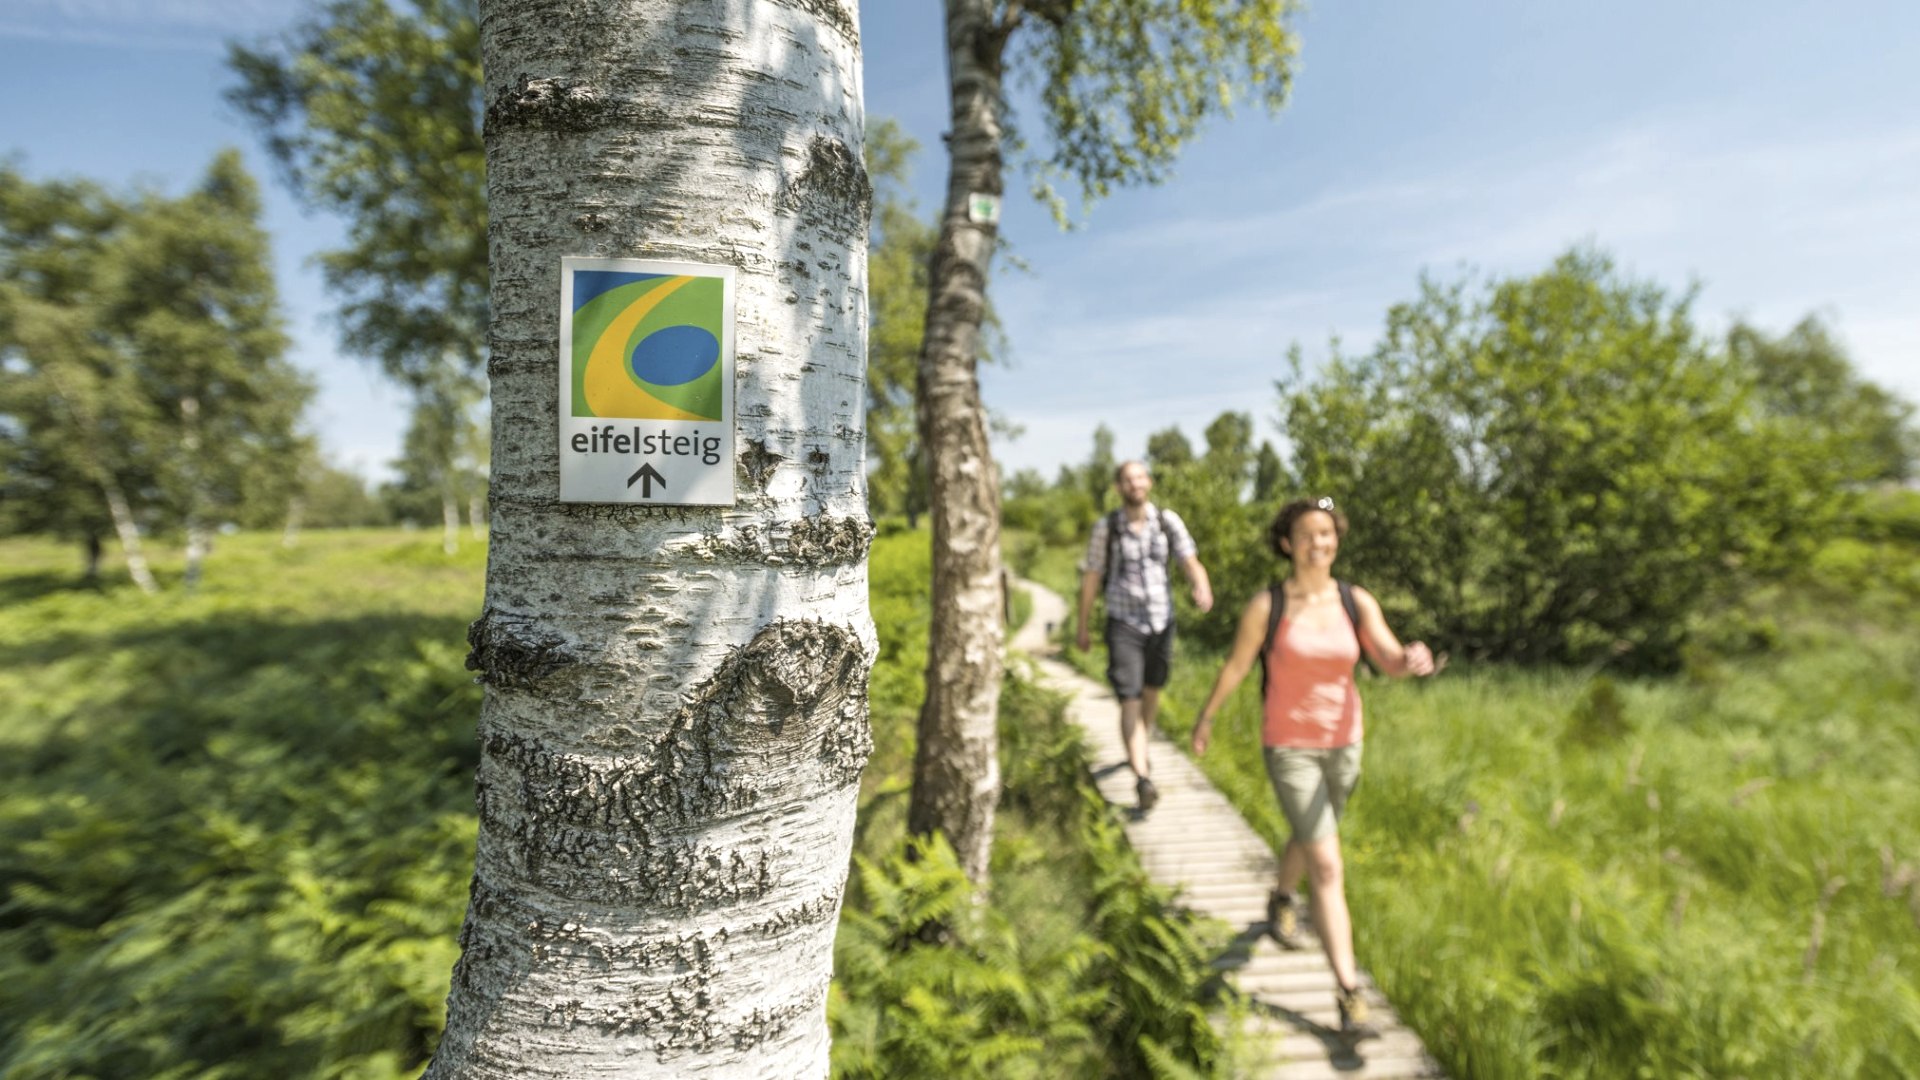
<point>673,355</point>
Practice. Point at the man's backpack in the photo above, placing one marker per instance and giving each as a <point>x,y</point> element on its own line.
<point>1277,609</point>
<point>1116,521</point>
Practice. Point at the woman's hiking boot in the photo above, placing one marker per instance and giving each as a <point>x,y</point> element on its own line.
<point>1283,919</point>
<point>1353,1012</point>
<point>1144,790</point>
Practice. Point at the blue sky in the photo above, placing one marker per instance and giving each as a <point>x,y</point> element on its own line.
<point>1769,151</point>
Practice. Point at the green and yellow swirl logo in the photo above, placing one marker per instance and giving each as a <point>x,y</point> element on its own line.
<point>647,346</point>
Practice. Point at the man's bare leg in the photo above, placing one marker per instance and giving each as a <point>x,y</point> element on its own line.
<point>1134,729</point>
<point>1149,706</point>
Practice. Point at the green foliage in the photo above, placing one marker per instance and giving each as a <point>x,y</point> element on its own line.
<point>236,830</point>
<point>1557,468</point>
<point>443,461</point>
<point>1600,717</point>
<point>237,827</point>
<point>984,1004</point>
<point>899,249</point>
<point>1168,449</point>
<point>1804,380</point>
<point>141,353</point>
<point>1125,84</point>
<point>337,499</point>
<point>374,111</point>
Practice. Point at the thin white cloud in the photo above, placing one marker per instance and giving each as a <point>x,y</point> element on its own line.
<point>1773,224</point>
<point>187,25</point>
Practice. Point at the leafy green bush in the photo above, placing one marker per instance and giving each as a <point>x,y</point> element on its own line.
<point>1556,467</point>
<point>236,828</point>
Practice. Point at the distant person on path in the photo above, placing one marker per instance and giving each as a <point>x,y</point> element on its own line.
<point>1308,633</point>
<point>1127,560</point>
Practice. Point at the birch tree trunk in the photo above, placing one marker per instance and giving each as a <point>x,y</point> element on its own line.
<point>956,770</point>
<point>198,542</point>
<point>129,534</point>
<point>296,509</point>
<point>675,716</point>
<point>449,518</point>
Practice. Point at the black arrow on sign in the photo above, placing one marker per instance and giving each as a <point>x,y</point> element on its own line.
<point>650,476</point>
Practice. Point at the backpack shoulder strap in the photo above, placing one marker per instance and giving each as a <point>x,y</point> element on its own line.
<point>1116,520</point>
<point>1353,616</point>
<point>1276,609</point>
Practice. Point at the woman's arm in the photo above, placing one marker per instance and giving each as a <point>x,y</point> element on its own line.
<point>1385,650</point>
<point>1246,650</point>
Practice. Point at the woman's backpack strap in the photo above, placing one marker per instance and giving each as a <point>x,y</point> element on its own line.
<point>1353,616</point>
<point>1276,609</point>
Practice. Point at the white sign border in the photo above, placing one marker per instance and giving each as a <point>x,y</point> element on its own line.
<point>728,358</point>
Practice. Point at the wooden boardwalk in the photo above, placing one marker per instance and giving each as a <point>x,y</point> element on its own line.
<point>1195,840</point>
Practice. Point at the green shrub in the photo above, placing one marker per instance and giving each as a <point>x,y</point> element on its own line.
<point>1557,467</point>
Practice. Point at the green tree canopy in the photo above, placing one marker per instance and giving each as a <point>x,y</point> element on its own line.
<point>1551,467</point>
<point>899,246</point>
<point>374,112</point>
<point>142,356</point>
<point>1805,379</point>
<point>1124,85</point>
<point>1168,449</point>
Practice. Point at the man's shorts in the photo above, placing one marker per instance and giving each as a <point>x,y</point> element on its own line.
<point>1313,786</point>
<point>1137,658</point>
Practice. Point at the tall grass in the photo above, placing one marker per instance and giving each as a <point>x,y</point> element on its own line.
<point>1564,874</point>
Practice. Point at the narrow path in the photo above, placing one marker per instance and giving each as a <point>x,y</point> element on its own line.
<point>1196,840</point>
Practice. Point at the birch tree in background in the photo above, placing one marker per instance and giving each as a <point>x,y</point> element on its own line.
<point>1123,85</point>
<point>675,715</point>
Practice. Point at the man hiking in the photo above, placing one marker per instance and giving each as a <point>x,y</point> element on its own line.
<point>1127,559</point>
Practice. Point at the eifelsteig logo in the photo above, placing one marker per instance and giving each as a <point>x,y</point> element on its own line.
<point>647,346</point>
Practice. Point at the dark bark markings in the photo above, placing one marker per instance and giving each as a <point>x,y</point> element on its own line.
<point>510,655</point>
<point>553,104</point>
<point>823,541</point>
<point>585,825</point>
<point>833,186</point>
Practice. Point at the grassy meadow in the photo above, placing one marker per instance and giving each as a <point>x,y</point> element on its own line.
<point>1565,873</point>
<point>237,827</point>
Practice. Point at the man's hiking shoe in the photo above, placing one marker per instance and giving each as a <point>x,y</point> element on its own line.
<point>1283,919</point>
<point>1147,794</point>
<point>1353,1012</point>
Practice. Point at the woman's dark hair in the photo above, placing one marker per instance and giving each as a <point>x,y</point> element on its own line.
<point>1281,529</point>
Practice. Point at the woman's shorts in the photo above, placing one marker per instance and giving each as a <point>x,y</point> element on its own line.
<point>1313,786</point>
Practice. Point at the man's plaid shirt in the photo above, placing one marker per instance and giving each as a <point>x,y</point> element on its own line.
<point>1139,593</point>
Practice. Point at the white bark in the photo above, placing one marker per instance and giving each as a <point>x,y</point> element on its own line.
<point>477,515</point>
<point>296,509</point>
<point>198,542</point>
<point>129,533</point>
<point>675,718</point>
<point>449,521</point>
<point>199,545</point>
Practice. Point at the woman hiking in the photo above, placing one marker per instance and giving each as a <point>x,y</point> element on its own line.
<point>1308,632</point>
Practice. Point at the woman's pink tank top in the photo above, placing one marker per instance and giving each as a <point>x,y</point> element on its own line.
<point>1311,698</point>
